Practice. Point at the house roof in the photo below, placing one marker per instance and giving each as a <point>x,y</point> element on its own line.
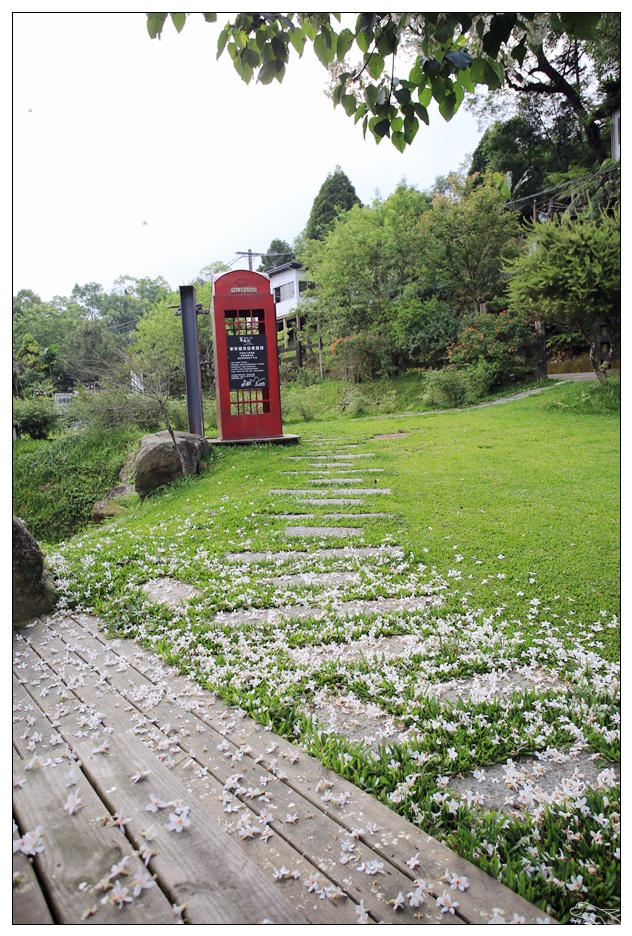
<point>290,265</point>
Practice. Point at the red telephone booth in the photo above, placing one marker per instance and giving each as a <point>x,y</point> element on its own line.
<point>246,357</point>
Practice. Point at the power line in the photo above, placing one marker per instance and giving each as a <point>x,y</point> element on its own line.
<point>564,185</point>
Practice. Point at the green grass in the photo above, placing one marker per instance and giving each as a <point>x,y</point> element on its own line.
<point>508,520</point>
<point>56,482</point>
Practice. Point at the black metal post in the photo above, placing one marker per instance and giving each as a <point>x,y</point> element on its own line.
<point>192,372</point>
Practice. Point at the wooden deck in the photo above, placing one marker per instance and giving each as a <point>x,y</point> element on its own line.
<point>104,733</point>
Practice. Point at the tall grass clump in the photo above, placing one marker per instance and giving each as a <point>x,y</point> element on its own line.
<point>56,482</point>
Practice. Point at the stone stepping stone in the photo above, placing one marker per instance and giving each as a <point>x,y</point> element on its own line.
<point>343,492</point>
<point>378,606</point>
<point>323,531</point>
<point>347,457</point>
<point>335,552</point>
<point>358,516</point>
<point>331,471</point>
<point>333,480</point>
<point>317,578</point>
<point>333,501</point>
<point>170,591</point>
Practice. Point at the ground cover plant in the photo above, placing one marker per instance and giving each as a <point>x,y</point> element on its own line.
<point>500,530</point>
<point>57,481</point>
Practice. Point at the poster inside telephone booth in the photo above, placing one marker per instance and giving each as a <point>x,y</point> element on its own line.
<point>246,357</point>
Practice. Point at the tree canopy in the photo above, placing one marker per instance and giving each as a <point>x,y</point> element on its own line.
<point>278,252</point>
<point>336,195</point>
<point>570,275</point>
<point>406,60</point>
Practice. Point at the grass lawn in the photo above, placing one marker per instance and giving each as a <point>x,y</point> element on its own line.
<point>506,519</point>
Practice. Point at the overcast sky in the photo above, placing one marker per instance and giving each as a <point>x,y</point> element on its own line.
<point>142,157</point>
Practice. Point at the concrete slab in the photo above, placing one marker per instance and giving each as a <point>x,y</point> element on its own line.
<point>323,531</point>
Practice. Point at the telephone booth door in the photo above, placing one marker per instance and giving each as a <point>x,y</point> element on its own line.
<point>246,357</point>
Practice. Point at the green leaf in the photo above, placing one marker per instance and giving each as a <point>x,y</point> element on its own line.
<point>210,17</point>
<point>380,128</point>
<point>375,65</point>
<point>422,113</point>
<point>338,93</point>
<point>155,22</point>
<point>350,104</point>
<point>399,141</point>
<point>416,75</point>
<point>580,25</point>
<point>250,56</point>
<point>221,42</point>
<point>363,41</point>
<point>499,32</point>
<point>411,126</point>
<point>178,20</point>
<point>444,30</point>
<point>345,41</point>
<point>360,113</point>
<point>371,95</point>
<point>323,52</point>
<point>268,72</point>
<point>367,23</point>
<point>297,38</point>
<point>387,41</point>
<point>448,106</point>
<point>425,96</point>
<point>459,58</point>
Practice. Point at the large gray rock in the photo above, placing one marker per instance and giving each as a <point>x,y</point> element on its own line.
<point>157,462</point>
<point>33,585</point>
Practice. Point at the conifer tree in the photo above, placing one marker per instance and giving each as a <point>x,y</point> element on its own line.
<point>336,194</point>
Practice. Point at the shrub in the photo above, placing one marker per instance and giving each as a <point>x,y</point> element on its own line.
<point>35,416</point>
<point>356,404</point>
<point>501,338</point>
<point>446,388</point>
<point>363,356</point>
<point>424,330</point>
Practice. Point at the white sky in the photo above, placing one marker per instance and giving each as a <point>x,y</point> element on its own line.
<point>113,129</point>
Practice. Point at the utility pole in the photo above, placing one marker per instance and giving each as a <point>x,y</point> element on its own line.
<point>253,253</point>
<point>249,253</point>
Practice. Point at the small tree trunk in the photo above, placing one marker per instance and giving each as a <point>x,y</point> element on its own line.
<point>598,366</point>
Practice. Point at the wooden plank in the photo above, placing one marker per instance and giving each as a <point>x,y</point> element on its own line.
<point>29,903</point>
<point>316,836</point>
<point>398,841</point>
<point>200,867</point>
<point>79,852</point>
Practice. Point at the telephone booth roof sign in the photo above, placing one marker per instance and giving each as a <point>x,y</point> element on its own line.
<point>238,282</point>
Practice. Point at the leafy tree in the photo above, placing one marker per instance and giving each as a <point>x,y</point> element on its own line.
<point>367,263</point>
<point>278,252</point>
<point>129,300</point>
<point>465,237</point>
<point>570,275</point>
<point>424,329</point>
<point>207,272</point>
<point>554,110</point>
<point>453,52</point>
<point>336,195</point>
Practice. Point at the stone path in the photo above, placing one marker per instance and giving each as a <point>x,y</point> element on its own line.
<point>332,475</point>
